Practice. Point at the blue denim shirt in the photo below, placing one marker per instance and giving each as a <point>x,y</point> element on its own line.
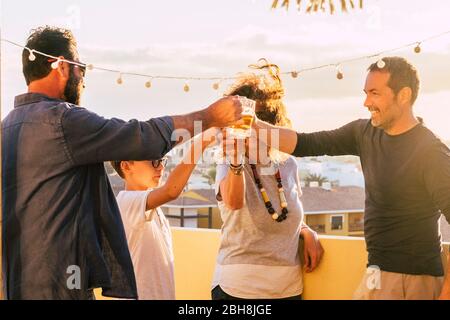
<point>60,215</point>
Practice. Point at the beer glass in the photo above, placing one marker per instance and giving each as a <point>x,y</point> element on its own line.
<point>243,129</point>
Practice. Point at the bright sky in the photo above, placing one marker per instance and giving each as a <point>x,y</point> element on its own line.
<point>219,38</point>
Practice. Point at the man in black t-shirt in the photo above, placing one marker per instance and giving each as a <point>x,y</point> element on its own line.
<point>407,182</point>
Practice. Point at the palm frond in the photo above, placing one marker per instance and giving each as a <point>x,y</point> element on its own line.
<point>318,5</point>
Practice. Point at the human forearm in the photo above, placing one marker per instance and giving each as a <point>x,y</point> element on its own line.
<point>221,113</point>
<point>180,175</point>
<point>341,141</point>
<point>188,121</point>
<point>283,139</point>
<point>232,189</point>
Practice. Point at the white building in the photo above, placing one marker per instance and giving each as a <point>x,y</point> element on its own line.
<point>344,173</point>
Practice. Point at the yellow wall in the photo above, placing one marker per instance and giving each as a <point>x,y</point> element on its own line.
<point>340,272</point>
<point>337,277</point>
<point>216,220</point>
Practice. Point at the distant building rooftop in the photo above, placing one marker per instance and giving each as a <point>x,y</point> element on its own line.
<point>194,198</point>
<point>315,200</point>
<point>319,200</point>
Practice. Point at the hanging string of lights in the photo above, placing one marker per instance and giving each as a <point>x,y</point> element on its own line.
<point>338,66</point>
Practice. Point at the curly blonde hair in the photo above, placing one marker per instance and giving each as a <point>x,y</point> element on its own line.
<point>268,92</point>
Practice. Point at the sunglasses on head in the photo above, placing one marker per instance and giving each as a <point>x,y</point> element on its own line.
<point>157,163</point>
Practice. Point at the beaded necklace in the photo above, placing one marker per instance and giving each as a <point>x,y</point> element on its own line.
<point>269,207</point>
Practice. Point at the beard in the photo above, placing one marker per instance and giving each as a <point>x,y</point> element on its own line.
<point>72,92</point>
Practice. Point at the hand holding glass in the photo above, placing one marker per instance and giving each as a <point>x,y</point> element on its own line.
<point>242,129</point>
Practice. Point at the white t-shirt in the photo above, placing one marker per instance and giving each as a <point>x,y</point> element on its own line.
<point>150,244</point>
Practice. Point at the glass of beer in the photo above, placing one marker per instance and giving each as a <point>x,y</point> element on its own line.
<point>243,129</point>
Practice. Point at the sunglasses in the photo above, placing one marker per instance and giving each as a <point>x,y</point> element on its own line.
<point>157,163</point>
<point>81,67</point>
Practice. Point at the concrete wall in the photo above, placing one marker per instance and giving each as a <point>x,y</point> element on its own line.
<point>339,274</point>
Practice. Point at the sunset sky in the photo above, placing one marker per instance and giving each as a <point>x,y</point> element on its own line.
<point>221,38</point>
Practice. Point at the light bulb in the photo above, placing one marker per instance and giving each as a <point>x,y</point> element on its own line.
<point>417,49</point>
<point>186,87</point>
<point>381,64</point>
<point>216,86</point>
<point>31,57</point>
<point>294,74</point>
<point>119,79</point>
<point>339,73</point>
<point>148,84</point>
<point>55,64</point>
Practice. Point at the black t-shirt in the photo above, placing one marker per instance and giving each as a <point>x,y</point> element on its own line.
<point>407,185</point>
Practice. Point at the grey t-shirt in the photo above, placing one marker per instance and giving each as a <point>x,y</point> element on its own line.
<point>250,235</point>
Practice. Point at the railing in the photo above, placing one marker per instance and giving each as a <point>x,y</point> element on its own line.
<point>356,226</point>
<point>337,277</point>
<point>319,228</point>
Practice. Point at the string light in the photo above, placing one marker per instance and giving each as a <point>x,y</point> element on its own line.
<point>381,64</point>
<point>339,73</point>
<point>119,79</point>
<point>417,48</point>
<point>217,80</point>
<point>55,64</point>
<point>31,57</point>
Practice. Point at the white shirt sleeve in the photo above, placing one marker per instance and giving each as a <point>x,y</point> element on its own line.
<point>132,205</point>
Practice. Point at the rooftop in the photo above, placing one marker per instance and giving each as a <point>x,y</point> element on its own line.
<point>337,277</point>
<point>318,199</point>
<point>314,199</point>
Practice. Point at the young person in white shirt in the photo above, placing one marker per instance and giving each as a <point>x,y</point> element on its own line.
<point>147,229</point>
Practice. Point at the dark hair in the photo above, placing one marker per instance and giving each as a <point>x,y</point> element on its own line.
<point>116,166</point>
<point>402,74</point>
<point>267,91</point>
<point>52,41</point>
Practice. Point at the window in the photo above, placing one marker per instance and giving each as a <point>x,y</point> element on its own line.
<point>337,222</point>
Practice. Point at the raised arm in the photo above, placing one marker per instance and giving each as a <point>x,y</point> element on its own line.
<point>221,113</point>
<point>90,138</point>
<point>180,175</point>
<point>232,186</point>
<point>341,141</point>
<point>283,139</point>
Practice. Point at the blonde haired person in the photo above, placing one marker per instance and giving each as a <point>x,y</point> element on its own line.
<point>259,255</point>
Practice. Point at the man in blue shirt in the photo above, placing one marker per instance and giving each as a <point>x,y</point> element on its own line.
<point>62,231</point>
